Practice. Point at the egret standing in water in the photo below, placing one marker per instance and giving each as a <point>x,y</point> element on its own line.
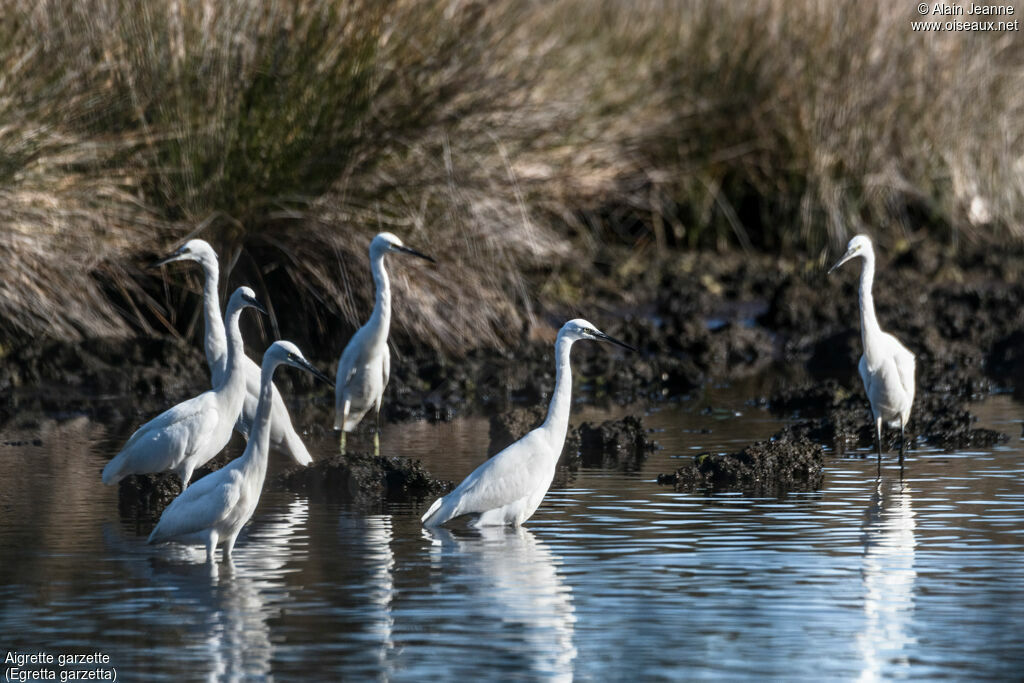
<point>282,434</point>
<point>365,364</point>
<point>887,366</point>
<point>508,488</point>
<point>215,508</point>
<point>191,433</point>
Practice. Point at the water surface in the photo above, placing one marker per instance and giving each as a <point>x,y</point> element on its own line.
<point>614,578</point>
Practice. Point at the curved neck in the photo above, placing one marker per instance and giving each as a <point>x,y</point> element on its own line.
<point>215,344</point>
<point>233,377</point>
<point>868,322</point>
<point>380,319</point>
<point>557,421</point>
<point>259,437</point>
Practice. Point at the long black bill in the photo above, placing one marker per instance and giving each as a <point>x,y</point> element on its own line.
<point>846,257</point>
<point>306,365</point>
<point>604,337</point>
<point>252,301</point>
<point>164,261</point>
<point>413,252</point>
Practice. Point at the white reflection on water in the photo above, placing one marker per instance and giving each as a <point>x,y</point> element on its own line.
<point>888,575</point>
<point>230,603</point>
<point>373,534</point>
<point>516,580</point>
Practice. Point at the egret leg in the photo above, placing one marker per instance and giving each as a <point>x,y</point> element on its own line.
<point>376,437</point>
<point>211,546</point>
<point>878,438</point>
<point>344,423</point>
<point>185,473</point>
<point>229,545</point>
<point>901,443</point>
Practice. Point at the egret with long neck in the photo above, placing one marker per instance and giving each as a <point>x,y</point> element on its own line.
<point>886,366</point>
<point>508,488</point>
<point>191,433</point>
<point>365,364</point>
<point>215,508</point>
<point>283,436</point>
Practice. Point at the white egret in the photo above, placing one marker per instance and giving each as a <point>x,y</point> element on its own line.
<point>215,508</point>
<point>886,366</point>
<point>283,436</point>
<point>508,488</point>
<point>191,433</point>
<point>365,364</point>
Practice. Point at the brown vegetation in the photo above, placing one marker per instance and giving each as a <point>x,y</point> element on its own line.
<point>509,139</point>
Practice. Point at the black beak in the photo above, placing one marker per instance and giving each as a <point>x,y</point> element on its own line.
<point>413,252</point>
<point>604,337</point>
<point>164,261</point>
<point>255,304</point>
<point>306,365</point>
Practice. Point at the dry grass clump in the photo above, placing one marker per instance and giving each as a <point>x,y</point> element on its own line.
<point>509,139</point>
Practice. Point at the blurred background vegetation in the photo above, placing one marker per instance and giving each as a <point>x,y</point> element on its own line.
<point>517,142</point>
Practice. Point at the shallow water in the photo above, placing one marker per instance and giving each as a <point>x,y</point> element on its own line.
<point>615,577</point>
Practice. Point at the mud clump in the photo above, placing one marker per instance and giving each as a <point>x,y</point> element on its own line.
<point>616,444</point>
<point>363,478</point>
<point>786,462</point>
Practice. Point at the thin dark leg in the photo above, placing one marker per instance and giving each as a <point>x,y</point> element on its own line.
<point>901,445</point>
<point>878,438</point>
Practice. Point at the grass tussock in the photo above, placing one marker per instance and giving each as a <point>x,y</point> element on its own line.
<point>509,139</point>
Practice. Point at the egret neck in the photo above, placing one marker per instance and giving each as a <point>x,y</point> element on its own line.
<point>380,319</point>
<point>870,331</point>
<point>556,424</point>
<point>255,464</point>
<point>232,383</point>
<point>216,344</point>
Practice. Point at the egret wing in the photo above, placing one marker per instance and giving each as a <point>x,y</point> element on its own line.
<point>507,477</point>
<point>905,366</point>
<point>346,370</point>
<point>164,441</point>
<point>201,505</point>
<point>865,376</point>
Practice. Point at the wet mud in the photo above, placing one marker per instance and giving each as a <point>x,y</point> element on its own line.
<point>695,318</point>
<point>363,479</point>
<point>789,461</point>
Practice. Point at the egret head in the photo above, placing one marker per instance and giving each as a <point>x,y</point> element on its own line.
<point>388,242</point>
<point>199,251</point>
<point>578,329</point>
<point>288,354</point>
<point>858,246</point>
<point>244,297</point>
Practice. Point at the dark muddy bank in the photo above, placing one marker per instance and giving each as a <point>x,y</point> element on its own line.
<point>696,318</point>
<point>789,461</point>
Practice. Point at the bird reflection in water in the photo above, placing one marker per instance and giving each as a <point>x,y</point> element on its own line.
<point>517,585</point>
<point>888,575</point>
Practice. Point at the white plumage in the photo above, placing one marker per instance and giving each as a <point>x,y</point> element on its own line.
<point>283,436</point>
<point>189,434</point>
<point>887,366</point>
<point>215,508</point>
<point>508,488</point>
<point>365,365</point>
